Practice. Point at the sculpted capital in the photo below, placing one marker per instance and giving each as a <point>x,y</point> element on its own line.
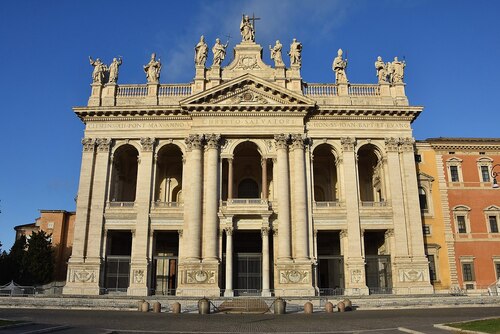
<point>407,144</point>
<point>229,230</point>
<point>147,144</point>
<point>348,143</point>
<point>281,140</point>
<point>103,144</point>
<point>194,142</point>
<point>391,144</point>
<point>264,231</point>
<point>88,144</point>
<point>213,141</point>
<point>298,141</point>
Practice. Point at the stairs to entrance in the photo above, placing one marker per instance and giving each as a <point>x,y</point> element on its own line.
<point>244,305</point>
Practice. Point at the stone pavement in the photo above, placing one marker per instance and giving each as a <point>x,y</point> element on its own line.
<point>374,321</point>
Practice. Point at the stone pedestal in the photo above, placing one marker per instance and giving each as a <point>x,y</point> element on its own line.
<point>398,93</point>
<point>355,284</point>
<point>214,76</point>
<point>411,276</point>
<point>152,97</point>
<point>199,79</point>
<point>385,93</point>
<point>294,278</point>
<point>294,80</point>
<point>138,280</point>
<point>109,94</point>
<point>95,95</point>
<point>82,279</point>
<point>280,75</point>
<point>197,279</point>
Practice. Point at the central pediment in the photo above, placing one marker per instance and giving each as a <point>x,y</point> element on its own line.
<point>247,93</point>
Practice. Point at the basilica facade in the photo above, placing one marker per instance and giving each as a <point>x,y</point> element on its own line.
<point>248,180</point>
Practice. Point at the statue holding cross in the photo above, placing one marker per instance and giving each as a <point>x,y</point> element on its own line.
<point>247,29</point>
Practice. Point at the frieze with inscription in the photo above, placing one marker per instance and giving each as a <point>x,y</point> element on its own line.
<point>356,125</point>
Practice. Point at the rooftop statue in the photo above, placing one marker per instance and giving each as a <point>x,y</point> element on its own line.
<point>201,52</point>
<point>295,53</point>
<point>153,69</point>
<point>397,70</point>
<point>219,51</point>
<point>247,30</point>
<point>382,70</point>
<point>339,65</point>
<point>276,54</point>
<point>99,72</point>
<point>113,70</point>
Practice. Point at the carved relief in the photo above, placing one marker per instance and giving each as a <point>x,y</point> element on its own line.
<point>356,276</point>
<point>83,276</point>
<point>200,276</point>
<point>391,144</point>
<point>103,144</point>
<point>213,141</point>
<point>138,276</point>
<point>247,63</point>
<point>348,143</point>
<point>249,97</point>
<point>281,140</point>
<point>88,144</point>
<point>411,275</point>
<point>147,144</point>
<point>194,142</point>
<point>294,276</point>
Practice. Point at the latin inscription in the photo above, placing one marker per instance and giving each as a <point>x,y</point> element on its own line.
<point>137,125</point>
<point>356,125</point>
<point>252,121</point>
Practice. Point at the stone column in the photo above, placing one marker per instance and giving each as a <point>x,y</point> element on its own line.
<point>193,199</point>
<point>353,256</point>
<point>229,178</point>
<point>265,262</point>
<point>284,238</point>
<point>299,199</point>
<point>211,223</point>
<point>229,263</point>
<point>263,163</point>
<point>139,264</point>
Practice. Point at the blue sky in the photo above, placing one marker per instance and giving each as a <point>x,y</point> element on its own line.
<point>452,50</point>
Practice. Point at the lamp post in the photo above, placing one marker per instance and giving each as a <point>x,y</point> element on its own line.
<point>495,174</point>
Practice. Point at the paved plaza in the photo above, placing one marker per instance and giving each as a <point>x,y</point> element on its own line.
<point>376,321</point>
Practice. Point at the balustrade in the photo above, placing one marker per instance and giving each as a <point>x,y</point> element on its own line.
<point>320,89</point>
<point>121,204</point>
<point>175,90</point>
<point>131,90</point>
<point>364,90</point>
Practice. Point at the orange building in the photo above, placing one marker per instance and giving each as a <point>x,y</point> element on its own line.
<point>60,224</point>
<point>465,167</point>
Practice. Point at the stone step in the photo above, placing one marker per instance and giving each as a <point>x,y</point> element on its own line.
<point>244,305</point>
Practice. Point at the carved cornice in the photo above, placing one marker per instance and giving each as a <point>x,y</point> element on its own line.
<point>88,144</point>
<point>281,141</point>
<point>391,144</point>
<point>103,144</point>
<point>194,142</point>
<point>147,144</point>
<point>348,144</point>
<point>213,141</point>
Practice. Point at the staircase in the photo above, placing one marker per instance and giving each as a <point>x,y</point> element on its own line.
<point>244,305</point>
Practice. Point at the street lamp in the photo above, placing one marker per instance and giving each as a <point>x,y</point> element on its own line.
<point>495,174</point>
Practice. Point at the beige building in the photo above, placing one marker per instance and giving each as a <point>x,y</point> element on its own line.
<point>248,180</point>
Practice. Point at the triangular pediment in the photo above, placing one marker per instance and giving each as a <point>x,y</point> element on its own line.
<point>247,92</point>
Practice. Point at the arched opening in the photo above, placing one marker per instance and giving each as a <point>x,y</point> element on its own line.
<point>168,187</point>
<point>370,172</point>
<point>422,196</point>
<point>325,174</point>
<point>247,171</point>
<point>124,174</point>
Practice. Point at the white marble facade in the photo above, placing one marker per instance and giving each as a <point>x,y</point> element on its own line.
<point>248,181</point>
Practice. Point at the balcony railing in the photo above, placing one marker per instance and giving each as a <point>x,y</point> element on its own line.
<point>114,204</point>
<point>245,201</point>
<point>374,204</point>
<point>159,204</point>
<point>332,204</point>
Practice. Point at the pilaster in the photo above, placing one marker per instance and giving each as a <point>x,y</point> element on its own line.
<point>294,80</point>
<point>109,94</point>
<point>95,95</point>
<point>199,79</point>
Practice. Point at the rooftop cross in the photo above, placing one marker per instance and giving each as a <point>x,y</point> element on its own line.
<point>253,19</point>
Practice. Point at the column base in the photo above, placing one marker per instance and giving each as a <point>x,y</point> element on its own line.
<point>266,293</point>
<point>228,293</point>
<point>82,279</point>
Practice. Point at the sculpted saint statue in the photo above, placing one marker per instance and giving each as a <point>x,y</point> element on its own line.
<point>339,65</point>
<point>246,29</point>
<point>276,54</point>
<point>113,70</point>
<point>397,70</point>
<point>99,72</point>
<point>382,68</point>
<point>201,52</point>
<point>295,53</point>
<point>219,51</point>
<point>153,69</point>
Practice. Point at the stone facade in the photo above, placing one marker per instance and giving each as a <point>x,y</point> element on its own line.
<point>248,181</point>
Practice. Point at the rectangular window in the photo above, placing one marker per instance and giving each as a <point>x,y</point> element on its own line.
<point>493,224</point>
<point>485,173</point>
<point>461,224</point>
<point>427,231</point>
<point>497,269</point>
<point>468,272</point>
<point>432,268</point>
<point>454,174</point>
<point>418,158</point>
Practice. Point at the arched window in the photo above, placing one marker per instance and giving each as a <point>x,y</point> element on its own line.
<point>371,175</point>
<point>124,174</point>
<point>422,196</point>
<point>248,188</point>
<point>325,174</point>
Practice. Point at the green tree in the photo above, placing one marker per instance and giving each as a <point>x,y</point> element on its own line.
<point>38,262</point>
<point>12,263</point>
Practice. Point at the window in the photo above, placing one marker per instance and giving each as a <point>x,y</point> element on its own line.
<point>432,268</point>
<point>454,174</point>
<point>497,269</point>
<point>468,272</point>
<point>493,224</point>
<point>425,194</point>
<point>427,230</point>
<point>422,196</point>
<point>462,228</point>
<point>418,158</point>
<point>485,173</point>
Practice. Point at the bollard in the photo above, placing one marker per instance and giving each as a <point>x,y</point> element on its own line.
<point>156,307</point>
<point>329,307</point>
<point>204,306</point>
<point>139,305</point>
<point>145,307</point>
<point>176,308</point>
<point>341,306</point>
<point>279,306</point>
<point>348,304</point>
<point>308,308</point>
